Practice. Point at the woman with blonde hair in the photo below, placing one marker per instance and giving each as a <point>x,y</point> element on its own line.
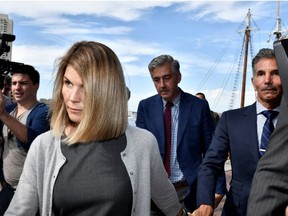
<point>92,162</point>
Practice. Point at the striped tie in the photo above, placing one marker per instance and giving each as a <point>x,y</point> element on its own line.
<point>267,129</point>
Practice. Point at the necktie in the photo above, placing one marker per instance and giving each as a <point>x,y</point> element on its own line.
<point>168,125</point>
<point>268,128</point>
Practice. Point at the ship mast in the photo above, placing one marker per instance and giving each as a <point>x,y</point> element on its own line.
<point>247,38</point>
<point>278,23</point>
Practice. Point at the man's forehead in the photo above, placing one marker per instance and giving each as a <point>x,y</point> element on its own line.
<point>19,76</point>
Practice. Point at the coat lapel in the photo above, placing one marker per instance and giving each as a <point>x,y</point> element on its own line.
<point>184,112</point>
<point>157,109</point>
<point>251,115</point>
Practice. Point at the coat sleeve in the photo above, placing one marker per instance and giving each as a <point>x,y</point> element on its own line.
<point>37,123</point>
<point>209,130</point>
<point>211,175</point>
<point>162,191</point>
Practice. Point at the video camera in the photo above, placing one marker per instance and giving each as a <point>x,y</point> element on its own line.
<point>7,66</point>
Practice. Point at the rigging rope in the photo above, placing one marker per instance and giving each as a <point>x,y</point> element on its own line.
<point>238,56</point>
<point>236,80</point>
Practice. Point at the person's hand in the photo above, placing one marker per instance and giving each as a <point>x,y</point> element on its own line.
<point>203,210</point>
<point>218,198</point>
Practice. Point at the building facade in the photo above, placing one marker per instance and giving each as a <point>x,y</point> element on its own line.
<point>6,27</point>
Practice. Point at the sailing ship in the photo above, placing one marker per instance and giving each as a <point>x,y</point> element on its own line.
<point>242,56</point>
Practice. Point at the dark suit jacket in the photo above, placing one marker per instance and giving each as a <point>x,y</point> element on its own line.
<point>236,132</point>
<point>195,128</point>
<point>269,190</point>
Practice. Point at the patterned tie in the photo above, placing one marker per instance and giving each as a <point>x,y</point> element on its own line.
<point>267,129</point>
<point>168,125</point>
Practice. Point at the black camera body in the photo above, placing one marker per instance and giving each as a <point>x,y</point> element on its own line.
<point>5,38</point>
<point>7,66</point>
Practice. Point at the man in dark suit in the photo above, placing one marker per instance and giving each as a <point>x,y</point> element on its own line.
<point>269,190</point>
<point>192,127</point>
<point>239,131</point>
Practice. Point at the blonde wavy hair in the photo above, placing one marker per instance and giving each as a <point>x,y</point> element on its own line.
<point>105,114</point>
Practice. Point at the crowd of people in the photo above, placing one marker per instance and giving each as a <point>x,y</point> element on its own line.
<point>79,155</point>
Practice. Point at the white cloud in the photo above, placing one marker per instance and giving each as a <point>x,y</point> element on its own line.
<point>74,29</point>
<point>219,11</point>
<point>122,10</point>
<point>37,55</point>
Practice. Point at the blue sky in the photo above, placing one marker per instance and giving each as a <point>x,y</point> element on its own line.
<point>204,36</point>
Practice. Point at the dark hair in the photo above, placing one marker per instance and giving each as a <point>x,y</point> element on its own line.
<point>7,80</point>
<point>128,93</point>
<point>30,71</point>
<point>263,53</point>
<point>201,94</point>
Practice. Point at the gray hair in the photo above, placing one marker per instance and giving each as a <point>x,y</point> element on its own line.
<point>162,60</point>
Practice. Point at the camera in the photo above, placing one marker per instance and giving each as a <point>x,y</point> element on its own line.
<point>7,66</point>
<point>5,38</point>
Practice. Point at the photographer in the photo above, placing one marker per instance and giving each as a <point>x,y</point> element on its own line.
<point>22,121</point>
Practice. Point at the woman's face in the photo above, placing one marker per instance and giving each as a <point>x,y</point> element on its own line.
<point>73,94</point>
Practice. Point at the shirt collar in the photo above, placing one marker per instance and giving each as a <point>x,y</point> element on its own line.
<point>260,108</point>
<point>176,101</point>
